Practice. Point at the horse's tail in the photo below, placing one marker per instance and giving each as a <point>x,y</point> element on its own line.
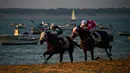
<point>111,38</point>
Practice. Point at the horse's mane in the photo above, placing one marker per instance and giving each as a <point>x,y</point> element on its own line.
<point>52,39</point>
<point>51,36</point>
<point>83,31</point>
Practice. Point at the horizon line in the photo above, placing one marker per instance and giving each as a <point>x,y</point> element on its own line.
<point>68,8</point>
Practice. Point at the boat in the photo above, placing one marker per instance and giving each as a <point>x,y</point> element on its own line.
<point>21,25</point>
<point>36,30</point>
<point>128,37</point>
<point>13,24</point>
<point>17,39</point>
<point>121,33</point>
<point>104,27</point>
<point>67,26</point>
<point>39,28</point>
<point>17,25</point>
<point>73,17</point>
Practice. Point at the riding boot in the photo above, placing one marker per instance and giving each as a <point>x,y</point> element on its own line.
<point>96,37</point>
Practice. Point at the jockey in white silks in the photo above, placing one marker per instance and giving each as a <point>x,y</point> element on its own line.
<point>91,26</point>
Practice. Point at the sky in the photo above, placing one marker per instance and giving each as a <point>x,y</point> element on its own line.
<point>47,4</point>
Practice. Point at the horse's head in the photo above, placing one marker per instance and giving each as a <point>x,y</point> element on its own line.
<point>75,32</point>
<point>47,36</point>
<point>43,37</point>
<point>78,31</point>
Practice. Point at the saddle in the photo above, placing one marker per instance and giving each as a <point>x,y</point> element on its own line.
<point>64,42</point>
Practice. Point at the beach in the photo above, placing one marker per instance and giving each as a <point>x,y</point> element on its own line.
<point>99,66</point>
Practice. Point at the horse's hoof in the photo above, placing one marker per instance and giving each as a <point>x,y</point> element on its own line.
<point>111,59</point>
<point>45,62</point>
<point>58,62</point>
<point>97,58</point>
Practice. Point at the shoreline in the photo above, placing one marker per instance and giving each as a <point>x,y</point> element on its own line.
<point>99,66</point>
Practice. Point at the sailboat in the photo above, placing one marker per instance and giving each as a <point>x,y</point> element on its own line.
<point>73,17</point>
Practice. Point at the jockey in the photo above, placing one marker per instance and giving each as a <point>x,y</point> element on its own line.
<point>91,26</point>
<point>56,30</point>
<point>59,33</point>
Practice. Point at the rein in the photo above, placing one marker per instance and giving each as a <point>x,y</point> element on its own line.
<point>85,40</point>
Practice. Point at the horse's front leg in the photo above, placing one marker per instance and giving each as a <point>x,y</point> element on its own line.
<point>44,55</point>
<point>50,55</point>
<point>71,55</point>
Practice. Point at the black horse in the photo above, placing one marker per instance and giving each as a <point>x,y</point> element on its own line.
<point>56,46</point>
<point>87,43</point>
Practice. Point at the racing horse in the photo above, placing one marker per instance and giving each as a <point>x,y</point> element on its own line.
<point>56,46</point>
<point>87,42</point>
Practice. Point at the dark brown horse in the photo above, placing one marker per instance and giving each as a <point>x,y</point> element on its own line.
<point>56,46</point>
<point>87,43</point>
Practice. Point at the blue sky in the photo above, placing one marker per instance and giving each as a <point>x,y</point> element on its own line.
<point>40,4</point>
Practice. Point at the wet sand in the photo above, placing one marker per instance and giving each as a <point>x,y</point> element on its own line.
<point>100,66</point>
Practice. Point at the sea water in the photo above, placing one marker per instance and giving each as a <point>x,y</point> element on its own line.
<point>33,54</point>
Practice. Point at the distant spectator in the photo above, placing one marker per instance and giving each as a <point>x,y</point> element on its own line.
<point>25,33</point>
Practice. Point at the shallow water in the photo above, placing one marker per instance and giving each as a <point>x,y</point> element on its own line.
<point>32,54</point>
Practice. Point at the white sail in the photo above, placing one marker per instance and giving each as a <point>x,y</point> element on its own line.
<point>73,18</point>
